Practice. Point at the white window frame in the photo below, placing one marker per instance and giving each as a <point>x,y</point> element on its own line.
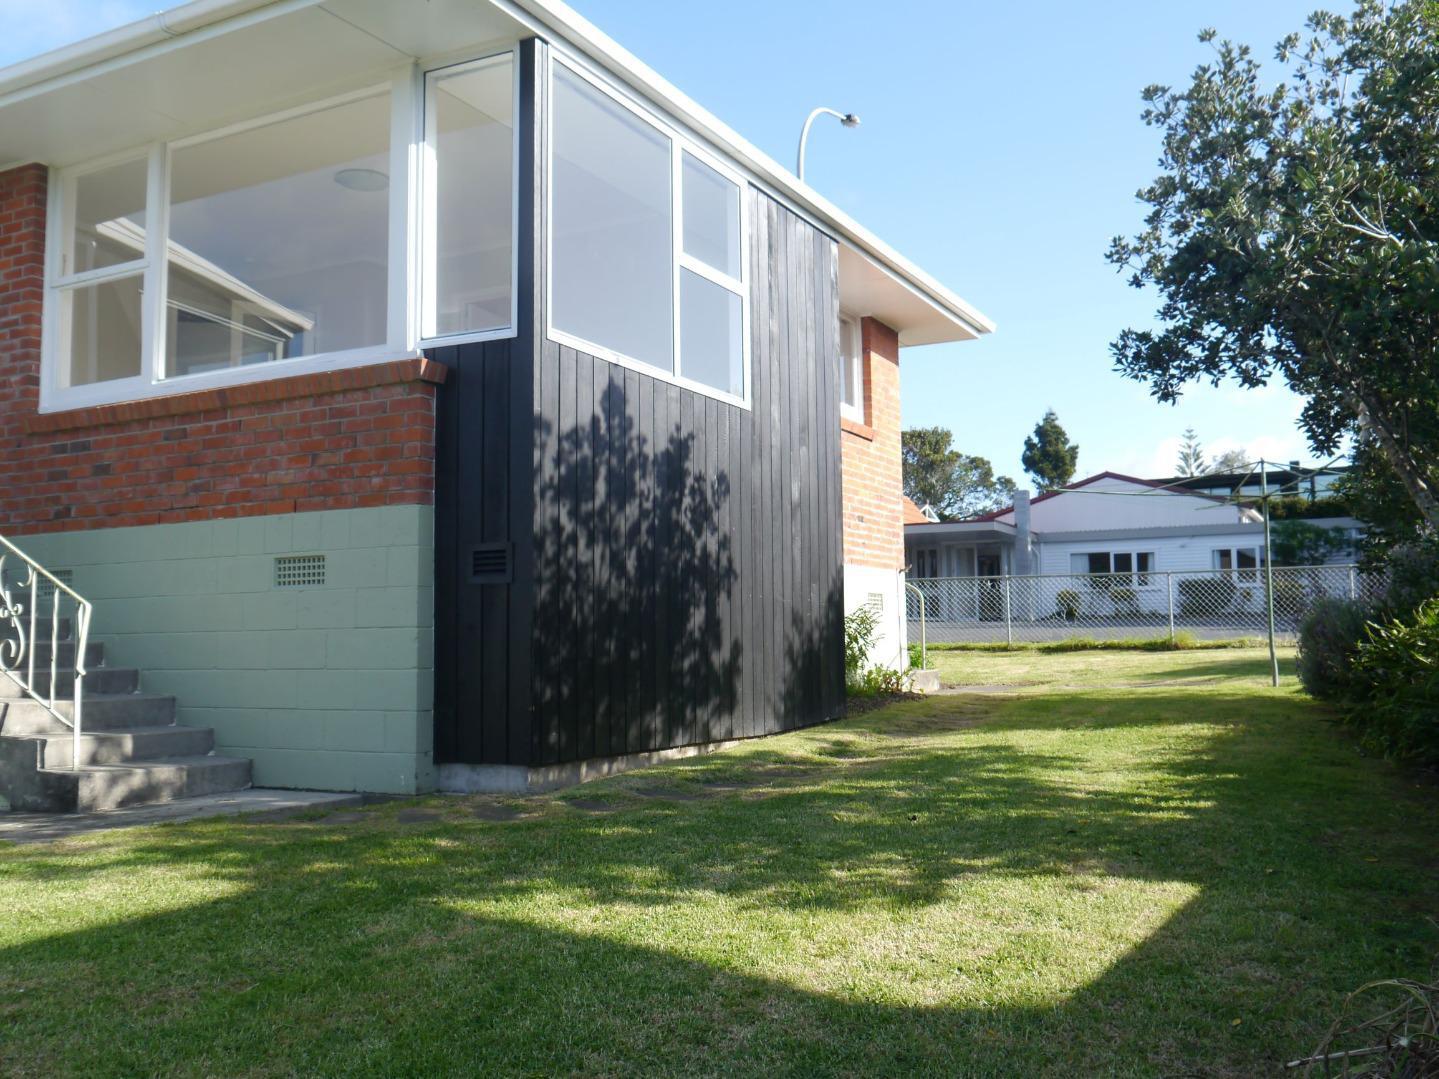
<point>1240,573</point>
<point>855,411</point>
<point>680,144</point>
<point>408,205</point>
<point>429,205</point>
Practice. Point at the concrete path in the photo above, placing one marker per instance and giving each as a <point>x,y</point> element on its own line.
<point>47,827</point>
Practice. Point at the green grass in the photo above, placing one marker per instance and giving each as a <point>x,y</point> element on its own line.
<point>1183,641</point>
<point>1147,864</point>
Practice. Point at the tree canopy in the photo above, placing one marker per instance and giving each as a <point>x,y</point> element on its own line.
<point>955,484</point>
<point>1049,457</point>
<point>1293,233</point>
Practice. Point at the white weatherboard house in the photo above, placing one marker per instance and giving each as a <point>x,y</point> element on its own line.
<point>1140,532</point>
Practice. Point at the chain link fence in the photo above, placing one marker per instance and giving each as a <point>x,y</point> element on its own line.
<point>1212,604</point>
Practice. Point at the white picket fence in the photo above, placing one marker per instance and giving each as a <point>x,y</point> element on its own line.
<point>1211,604</point>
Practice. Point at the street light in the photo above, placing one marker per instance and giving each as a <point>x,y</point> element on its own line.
<point>848,119</point>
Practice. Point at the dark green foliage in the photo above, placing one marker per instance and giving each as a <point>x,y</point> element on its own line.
<point>1126,601</point>
<point>957,485</point>
<point>1066,603</point>
<point>1049,457</point>
<point>1203,596</point>
<point>1394,687</point>
<point>1293,234</point>
<point>1375,495</point>
<point>1299,543</point>
<point>1300,507</point>
<point>1412,570</point>
<point>918,659</point>
<point>1329,637</point>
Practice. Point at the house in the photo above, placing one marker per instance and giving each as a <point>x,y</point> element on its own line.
<point>424,394</point>
<point>1129,528</point>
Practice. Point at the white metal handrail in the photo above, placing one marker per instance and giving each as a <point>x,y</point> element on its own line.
<point>17,646</point>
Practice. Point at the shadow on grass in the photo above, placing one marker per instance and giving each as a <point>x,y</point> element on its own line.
<point>464,947</point>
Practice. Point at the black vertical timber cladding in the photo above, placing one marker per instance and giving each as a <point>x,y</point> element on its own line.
<point>676,558</point>
<point>688,577</point>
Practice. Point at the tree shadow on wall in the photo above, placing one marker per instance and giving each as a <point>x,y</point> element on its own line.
<point>636,641</point>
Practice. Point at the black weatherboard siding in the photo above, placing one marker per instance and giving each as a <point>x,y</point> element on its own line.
<point>676,560</point>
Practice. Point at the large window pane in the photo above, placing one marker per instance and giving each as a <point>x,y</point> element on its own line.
<point>109,217</point>
<point>474,162</point>
<point>612,271</point>
<point>103,331</point>
<point>711,209</point>
<point>279,240</point>
<point>711,334</point>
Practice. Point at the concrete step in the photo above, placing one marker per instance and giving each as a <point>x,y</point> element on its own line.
<point>65,654</point>
<point>97,680</point>
<point>103,712</point>
<point>125,746</point>
<point>110,786</point>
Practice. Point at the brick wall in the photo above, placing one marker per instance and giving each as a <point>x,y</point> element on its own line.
<point>338,440</point>
<point>873,528</point>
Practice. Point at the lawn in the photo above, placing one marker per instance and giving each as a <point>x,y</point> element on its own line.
<point>1147,864</point>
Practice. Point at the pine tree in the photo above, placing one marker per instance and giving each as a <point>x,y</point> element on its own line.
<point>1049,457</point>
<point>1191,455</point>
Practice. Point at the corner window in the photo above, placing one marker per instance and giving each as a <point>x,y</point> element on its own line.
<point>469,200</point>
<point>646,241</point>
<point>851,367</point>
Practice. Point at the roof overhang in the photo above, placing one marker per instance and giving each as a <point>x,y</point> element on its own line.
<point>976,531</point>
<point>209,62</point>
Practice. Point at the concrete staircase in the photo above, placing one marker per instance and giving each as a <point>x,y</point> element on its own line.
<point>131,751</point>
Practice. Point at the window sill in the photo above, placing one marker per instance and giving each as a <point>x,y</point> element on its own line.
<point>417,369</point>
<point>854,427</point>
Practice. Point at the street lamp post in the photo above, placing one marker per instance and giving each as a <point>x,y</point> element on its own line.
<point>848,119</point>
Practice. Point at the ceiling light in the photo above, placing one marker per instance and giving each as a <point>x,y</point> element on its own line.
<point>362,179</point>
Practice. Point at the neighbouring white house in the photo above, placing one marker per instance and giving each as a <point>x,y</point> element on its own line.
<point>1112,524</point>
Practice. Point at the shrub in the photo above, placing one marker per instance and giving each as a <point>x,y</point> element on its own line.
<point>860,629</point>
<point>1394,680</point>
<point>918,661</point>
<point>1329,637</point>
<point>1126,601</point>
<point>1066,604</point>
<point>1201,596</point>
<point>1413,578</point>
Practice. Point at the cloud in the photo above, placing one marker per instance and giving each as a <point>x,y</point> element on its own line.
<point>36,26</point>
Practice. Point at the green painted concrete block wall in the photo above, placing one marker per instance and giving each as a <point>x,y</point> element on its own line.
<point>327,686</point>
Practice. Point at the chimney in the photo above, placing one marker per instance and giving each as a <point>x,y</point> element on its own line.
<point>1023,560</point>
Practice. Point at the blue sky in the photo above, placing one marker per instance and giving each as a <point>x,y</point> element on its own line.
<point>1001,148</point>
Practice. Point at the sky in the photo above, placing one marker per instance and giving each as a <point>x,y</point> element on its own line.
<point>1000,149</point>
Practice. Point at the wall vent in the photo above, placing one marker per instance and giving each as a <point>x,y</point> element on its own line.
<point>490,564</point>
<point>64,576</point>
<point>876,602</point>
<point>299,570</point>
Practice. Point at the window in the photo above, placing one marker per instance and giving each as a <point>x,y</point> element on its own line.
<point>469,200</point>
<point>1137,564</point>
<point>851,401</point>
<point>647,258</point>
<point>1245,560</point>
<point>279,240</point>
<point>287,240</point>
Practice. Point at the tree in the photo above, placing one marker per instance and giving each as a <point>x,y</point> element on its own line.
<point>1191,454</point>
<point>1049,457</point>
<point>1231,461</point>
<point>1294,234</point>
<point>955,484</point>
<point>1299,543</point>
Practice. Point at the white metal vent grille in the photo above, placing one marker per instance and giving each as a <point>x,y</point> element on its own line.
<point>299,570</point>
<point>876,602</point>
